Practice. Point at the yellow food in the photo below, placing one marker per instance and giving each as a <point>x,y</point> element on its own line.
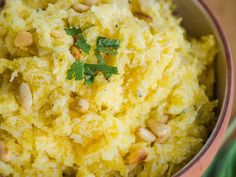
<point>164,75</point>
<point>90,2</point>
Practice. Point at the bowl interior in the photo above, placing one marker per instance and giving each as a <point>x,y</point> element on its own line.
<point>198,22</point>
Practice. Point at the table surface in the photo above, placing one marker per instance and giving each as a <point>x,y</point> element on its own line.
<point>225,11</point>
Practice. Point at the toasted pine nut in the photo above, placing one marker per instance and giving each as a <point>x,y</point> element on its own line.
<point>164,119</point>
<point>75,52</point>
<point>159,129</point>
<point>56,34</point>
<point>90,2</point>
<point>137,157</point>
<point>81,8</point>
<point>146,135</point>
<point>83,105</point>
<point>142,16</point>
<point>4,153</point>
<point>23,39</point>
<point>25,96</point>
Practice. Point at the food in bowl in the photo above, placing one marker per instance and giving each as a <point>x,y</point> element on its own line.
<point>101,88</point>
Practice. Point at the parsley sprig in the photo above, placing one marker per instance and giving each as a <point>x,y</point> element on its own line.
<point>73,31</point>
<point>81,42</point>
<point>99,57</point>
<point>108,46</point>
<point>76,71</point>
<point>81,70</point>
<point>103,42</point>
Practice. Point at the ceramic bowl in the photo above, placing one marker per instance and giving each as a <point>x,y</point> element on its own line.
<point>198,20</point>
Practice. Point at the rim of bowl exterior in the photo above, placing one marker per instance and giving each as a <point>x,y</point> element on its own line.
<point>229,93</point>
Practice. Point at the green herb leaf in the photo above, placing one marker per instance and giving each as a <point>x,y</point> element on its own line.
<point>99,57</point>
<point>103,42</point>
<point>76,71</point>
<point>89,78</point>
<point>108,46</point>
<point>91,68</point>
<point>80,70</point>
<point>82,44</point>
<point>73,31</point>
<point>112,70</point>
<point>108,71</point>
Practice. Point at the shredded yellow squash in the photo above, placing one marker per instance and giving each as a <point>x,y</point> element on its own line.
<point>52,127</point>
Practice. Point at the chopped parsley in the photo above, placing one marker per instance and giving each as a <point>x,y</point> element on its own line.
<point>81,70</point>
<point>108,46</point>
<point>103,42</point>
<point>92,68</point>
<point>89,78</point>
<point>73,31</point>
<point>76,71</point>
<point>82,44</point>
<point>99,57</point>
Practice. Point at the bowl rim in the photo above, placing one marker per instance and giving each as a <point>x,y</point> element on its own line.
<point>227,104</point>
<point>224,116</point>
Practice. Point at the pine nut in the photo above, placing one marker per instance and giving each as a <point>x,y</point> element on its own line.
<point>25,96</point>
<point>160,130</point>
<point>146,135</point>
<point>75,52</point>
<point>90,2</point>
<point>81,8</point>
<point>83,105</point>
<point>23,39</point>
<point>142,16</point>
<point>164,119</point>
<point>137,157</point>
<point>4,153</point>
